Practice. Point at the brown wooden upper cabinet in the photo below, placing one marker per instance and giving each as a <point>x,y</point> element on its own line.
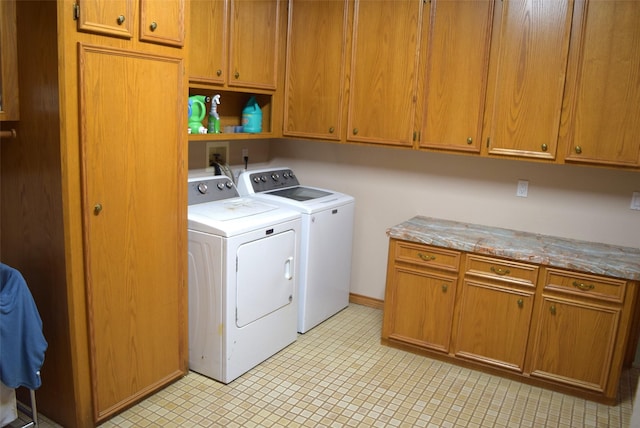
<point>601,118</point>
<point>317,48</point>
<point>160,21</point>
<point>384,72</point>
<point>455,62</point>
<point>235,43</point>
<point>9,103</point>
<point>529,51</point>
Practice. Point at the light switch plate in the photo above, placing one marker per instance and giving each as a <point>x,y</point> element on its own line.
<point>635,201</point>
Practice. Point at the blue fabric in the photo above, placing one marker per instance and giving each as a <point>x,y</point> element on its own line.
<point>22,343</point>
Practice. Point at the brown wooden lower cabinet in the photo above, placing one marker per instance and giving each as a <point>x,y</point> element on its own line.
<point>556,328</point>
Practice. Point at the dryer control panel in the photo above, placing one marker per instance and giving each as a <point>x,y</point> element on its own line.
<point>210,189</point>
<point>272,179</point>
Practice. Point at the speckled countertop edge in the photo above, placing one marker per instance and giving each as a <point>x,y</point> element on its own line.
<point>582,256</point>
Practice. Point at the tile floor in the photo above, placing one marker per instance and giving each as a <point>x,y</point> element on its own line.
<point>338,375</point>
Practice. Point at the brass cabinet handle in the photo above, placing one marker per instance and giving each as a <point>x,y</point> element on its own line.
<point>578,149</point>
<point>583,286</point>
<point>97,208</point>
<point>355,131</point>
<point>120,20</point>
<point>236,75</point>
<point>445,287</point>
<point>153,26</point>
<point>331,130</point>
<point>469,140</point>
<point>219,72</point>
<point>426,257</point>
<point>552,309</point>
<point>544,147</point>
<point>500,271</point>
<point>520,303</point>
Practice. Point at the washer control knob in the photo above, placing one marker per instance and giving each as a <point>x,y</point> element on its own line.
<point>291,174</point>
<point>202,188</point>
<point>275,176</point>
<point>220,186</point>
<point>263,178</point>
<point>256,179</point>
<point>229,185</point>
<point>285,174</point>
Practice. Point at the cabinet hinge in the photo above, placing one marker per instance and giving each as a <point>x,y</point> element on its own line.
<point>488,140</point>
<point>76,11</point>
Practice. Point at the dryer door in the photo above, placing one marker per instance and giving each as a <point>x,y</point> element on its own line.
<point>265,276</point>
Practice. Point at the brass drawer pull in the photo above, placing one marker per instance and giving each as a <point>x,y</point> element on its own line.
<point>426,257</point>
<point>582,286</point>
<point>445,287</point>
<point>520,303</point>
<point>500,271</point>
<point>552,309</point>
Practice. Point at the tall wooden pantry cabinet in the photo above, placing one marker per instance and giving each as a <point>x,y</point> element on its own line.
<point>93,198</point>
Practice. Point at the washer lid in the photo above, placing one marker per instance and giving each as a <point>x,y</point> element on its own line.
<point>300,193</point>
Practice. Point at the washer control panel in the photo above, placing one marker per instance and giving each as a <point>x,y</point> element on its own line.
<point>273,179</point>
<point>210,189</point>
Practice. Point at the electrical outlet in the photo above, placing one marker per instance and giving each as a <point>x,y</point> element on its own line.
<point>523,188</point>
<point>217,152</point>
<point>635,201</point>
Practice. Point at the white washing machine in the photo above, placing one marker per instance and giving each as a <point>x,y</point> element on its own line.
<point>243,278</point>
<point>326,242</point>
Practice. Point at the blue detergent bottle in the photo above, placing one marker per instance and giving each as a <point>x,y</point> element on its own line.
<point>252,117</point>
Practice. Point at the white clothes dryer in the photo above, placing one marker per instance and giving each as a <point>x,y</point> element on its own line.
<point>326,241</point>
<point>243,278</point>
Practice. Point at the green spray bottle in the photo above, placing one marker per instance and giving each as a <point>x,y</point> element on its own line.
<point>214,118</point>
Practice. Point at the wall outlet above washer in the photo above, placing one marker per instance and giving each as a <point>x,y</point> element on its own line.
<point>217,150</point>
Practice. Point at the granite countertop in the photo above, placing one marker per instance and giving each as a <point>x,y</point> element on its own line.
<point>582,256</point>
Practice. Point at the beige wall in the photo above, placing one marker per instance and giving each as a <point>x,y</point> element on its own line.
<point>392,185</point>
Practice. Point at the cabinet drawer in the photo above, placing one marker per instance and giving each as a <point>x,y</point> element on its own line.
<point>426,255</point>
<point>597,287</point>
<point>501,270</point>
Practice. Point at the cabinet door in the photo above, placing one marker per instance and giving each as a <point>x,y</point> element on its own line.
<point>528,66</point>
<point>493,325</point>
<point>603,88</point>
<point>455,74</point>
<point>108,17</point>
<point>9,102</point>
<point>420,308</point>
<point>384,72</point>
<point>574,342</point>
<point>162,22</point>
<point>208,41</point>
<point>254,42</point>
<point>134,222</point>
<point>316,55</point>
